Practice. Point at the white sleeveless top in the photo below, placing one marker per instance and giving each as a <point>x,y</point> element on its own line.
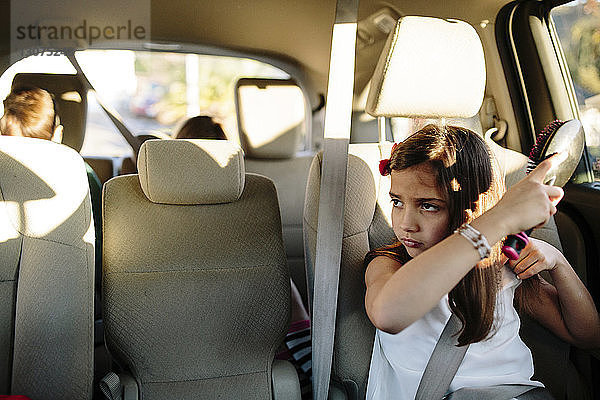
<point>398,361</point>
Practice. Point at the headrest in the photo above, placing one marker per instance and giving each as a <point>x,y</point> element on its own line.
<point>191,171</point>
<point>44,192</point>
<point>71,102</point>
<point>277,145</point>
<point>429,68</point>
<point>271,117</point>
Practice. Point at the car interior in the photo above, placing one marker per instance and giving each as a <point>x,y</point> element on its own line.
<point>204,241</point>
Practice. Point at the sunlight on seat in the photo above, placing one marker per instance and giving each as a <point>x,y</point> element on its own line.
<point>191,171</point>
<point>71,96</point>
<point>42,216</point>
<point>45,185</point>
<point>222,157</point>
<point>7,230</point>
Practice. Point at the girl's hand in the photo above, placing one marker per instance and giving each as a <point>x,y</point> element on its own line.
<point>530,203</point>
<point>536,257</point>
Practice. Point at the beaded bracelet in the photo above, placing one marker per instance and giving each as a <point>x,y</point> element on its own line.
<point>476,238</point>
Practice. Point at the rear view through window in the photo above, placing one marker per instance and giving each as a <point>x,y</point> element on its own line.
<point>151,91</point>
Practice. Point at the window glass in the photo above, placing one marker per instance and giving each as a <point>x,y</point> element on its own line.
<point>151,91</point>
<point>578,26</point>
<point>272,115</point>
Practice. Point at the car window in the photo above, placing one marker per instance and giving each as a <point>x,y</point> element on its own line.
<point>151,91</point>
<point>578,27</point>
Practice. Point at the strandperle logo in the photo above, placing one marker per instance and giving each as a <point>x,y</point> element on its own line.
<point>84,31</point>
<point>54,27</point>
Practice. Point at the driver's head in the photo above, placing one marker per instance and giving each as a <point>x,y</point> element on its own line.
<point>30,112</point>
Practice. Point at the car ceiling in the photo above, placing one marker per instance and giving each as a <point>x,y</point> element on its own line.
<point>300,30</point>
<point>297,31</point>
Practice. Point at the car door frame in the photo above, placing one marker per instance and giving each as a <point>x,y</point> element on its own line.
<point>541,91</point>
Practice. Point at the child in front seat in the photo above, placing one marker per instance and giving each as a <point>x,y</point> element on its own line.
<point>449,217</point>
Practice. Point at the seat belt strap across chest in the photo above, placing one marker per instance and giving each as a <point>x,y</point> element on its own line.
<point>330,226</point>
<point>443,363</point>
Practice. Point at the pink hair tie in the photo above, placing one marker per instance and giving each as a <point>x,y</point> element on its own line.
<point>384,165</point>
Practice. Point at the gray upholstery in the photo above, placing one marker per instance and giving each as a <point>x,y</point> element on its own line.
<point>289,177</point>
<point>366,226</point>
<point>270,147</point>
<point>285,381</point>
<point>196,297</point>
<point>46,271</point>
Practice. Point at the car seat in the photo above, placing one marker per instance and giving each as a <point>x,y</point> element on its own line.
<point>46,272</point>
<point>274,154</point>
<point>429,68</point>
<point>196,287</point>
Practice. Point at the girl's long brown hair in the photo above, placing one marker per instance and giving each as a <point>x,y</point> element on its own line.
<point>468,175</point>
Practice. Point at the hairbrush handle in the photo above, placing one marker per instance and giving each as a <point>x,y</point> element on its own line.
<point>515,243</point>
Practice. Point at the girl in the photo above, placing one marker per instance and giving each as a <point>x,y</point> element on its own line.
<point>449,217</point>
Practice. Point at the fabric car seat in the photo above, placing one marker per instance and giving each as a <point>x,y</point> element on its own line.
<point>196,287</point>
<point>46,271</point>
<point>289,176</point>
<point>417,85</point>
<point>70,97</point>
<point>275,156</point>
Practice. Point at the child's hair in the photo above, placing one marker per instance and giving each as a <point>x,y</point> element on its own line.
<point>29,112</point>
<point>201,127</point>
<point>469,177</point>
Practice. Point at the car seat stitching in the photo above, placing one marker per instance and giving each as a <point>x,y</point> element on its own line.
<point>355,234</point>
<point>207,378</point>
<point>82,247</point>
<point>193,270</point>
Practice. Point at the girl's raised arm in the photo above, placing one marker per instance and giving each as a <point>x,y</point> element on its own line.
<point>396,297</point>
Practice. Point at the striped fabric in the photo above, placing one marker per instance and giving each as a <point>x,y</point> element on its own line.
<point>298,343</point>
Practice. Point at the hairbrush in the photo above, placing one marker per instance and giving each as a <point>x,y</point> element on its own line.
<point>557,137</point>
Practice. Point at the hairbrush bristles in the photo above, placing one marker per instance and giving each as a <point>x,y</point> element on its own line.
<point>536,155</point>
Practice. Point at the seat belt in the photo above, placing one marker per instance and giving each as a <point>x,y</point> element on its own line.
<point>501,392</point>
<point>443,364</point>
<point>338,113</point>
<point>111,113</point>
<point>119,387</point>
<point>111,387</point>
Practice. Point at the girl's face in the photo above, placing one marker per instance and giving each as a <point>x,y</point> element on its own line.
<point>420,216</point>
